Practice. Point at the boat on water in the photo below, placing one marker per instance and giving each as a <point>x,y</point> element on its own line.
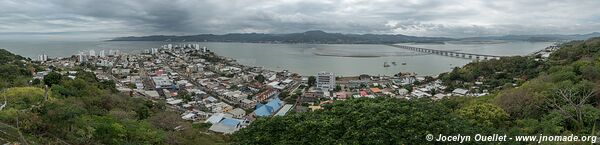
<point>385,64</point>
<point>404,63</point>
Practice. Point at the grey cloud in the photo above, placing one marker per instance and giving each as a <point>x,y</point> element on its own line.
<point>452,18</point>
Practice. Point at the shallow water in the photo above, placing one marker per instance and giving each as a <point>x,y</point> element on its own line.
<point>306,59</point>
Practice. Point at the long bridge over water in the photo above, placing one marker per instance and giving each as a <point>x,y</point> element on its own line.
<point>449,53</point>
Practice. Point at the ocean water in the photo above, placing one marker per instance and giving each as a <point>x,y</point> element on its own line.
<point>305,59</point>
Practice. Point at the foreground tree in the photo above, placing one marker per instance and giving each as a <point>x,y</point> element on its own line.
<point>52,78</point>
<point>361,121</point>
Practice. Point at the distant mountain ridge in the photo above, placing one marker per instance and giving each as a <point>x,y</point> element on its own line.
<point>540,37</point>
<point>321,37</point>
<point>315,36</point>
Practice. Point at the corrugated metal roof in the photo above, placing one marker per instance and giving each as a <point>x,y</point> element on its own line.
<point>215,118</point>
<point>230,122</point>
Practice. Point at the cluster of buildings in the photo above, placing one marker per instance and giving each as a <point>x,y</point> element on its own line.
<point>208,88</point>
<point>545,53</point>
<point>190,79</point>
<point>329,88</point>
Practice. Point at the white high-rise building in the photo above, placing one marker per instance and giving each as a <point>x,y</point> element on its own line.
<point>169,46</point>
<point>102,55</point>
<point>153,50</point>
<point>204,49</point>
<point>43,57</point>
<point>325,81</point>
<point>197,46</point>
<point>92,53</point>
<point>82,57</point>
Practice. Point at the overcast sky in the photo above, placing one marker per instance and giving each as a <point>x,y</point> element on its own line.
<point>101,19</point>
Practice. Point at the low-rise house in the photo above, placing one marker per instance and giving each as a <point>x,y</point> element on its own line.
<point>152,94</point>
<point>315,107</point>
<point>460,92</point>
<point>356,84</point>
<point>363,93</point>
<point>248,104</point>
<point>341,95</point>
<point>419,94</point>
<point>235,96</point>
<point>219,107</point>
<point>237,113</point>
<point>172,101</point>
<point>438,96</point>
<point>403,92</point>
<point>189,116</point>
<point>226,126</point>
<point>40,75</point>
<point>210,99</point>
<point>266,94</point>
<point>287,81</point>
<point>375,90</point>
<point>162,82</point>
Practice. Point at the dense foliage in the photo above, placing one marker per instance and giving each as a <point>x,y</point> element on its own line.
<point>494,73</point>
<point>362,121</point>
<point>15,70</point>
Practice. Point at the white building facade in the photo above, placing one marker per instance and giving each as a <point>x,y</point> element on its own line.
<point>325,81</point>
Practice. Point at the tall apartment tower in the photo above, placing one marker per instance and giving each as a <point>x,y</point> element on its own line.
<point>43,57</point>
<point>325,81</point>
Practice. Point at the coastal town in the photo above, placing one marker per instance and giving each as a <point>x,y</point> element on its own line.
<point>207,88</point>
<point>299,72</point>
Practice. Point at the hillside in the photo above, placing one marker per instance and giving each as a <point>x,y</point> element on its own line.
<point>536,38</point>
<point>316,36</point>
<point>15,70</point>
<point>84,110</point>
<point>555,97</point>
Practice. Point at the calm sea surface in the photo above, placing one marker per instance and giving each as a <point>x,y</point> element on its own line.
<point>306,59</point>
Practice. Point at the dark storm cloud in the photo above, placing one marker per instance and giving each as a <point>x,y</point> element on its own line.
<point>453,18</point>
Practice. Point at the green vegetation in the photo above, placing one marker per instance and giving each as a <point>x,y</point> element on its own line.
<point>312,80</point>
<point>260,78</point>
<point>337,88</point>
<point>558,96</point>
<point>494,73</point>
<point>361,121</point>
<point>15,70</point>
<point>86,110</point>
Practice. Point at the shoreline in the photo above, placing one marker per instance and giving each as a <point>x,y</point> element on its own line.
<point>372,64</point>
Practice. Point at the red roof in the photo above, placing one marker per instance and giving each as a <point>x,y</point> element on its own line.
<point>363,93</point>
<point>375,90</point>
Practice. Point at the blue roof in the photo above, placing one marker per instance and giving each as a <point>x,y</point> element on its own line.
<point>230,122</point>
<point>258,105</point>
<point>275,103</point>
<point>269,108</point>
<point>264,111</point>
